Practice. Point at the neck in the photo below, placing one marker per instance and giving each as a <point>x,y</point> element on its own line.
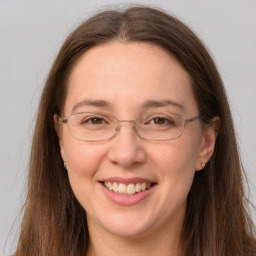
<point>159,242</point>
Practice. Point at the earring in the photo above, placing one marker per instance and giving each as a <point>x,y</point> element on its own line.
<point>203,164</point>
<point>65,164</point>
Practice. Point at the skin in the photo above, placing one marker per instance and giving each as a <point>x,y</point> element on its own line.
<point>126,75</point>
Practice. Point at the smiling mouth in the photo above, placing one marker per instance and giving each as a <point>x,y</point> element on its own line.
<point>127,189</point>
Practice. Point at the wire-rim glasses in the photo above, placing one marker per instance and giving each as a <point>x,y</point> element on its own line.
<point>96,126</point>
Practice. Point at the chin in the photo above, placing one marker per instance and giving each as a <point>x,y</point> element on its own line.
<point>127,226</point>
<point>127,232</point>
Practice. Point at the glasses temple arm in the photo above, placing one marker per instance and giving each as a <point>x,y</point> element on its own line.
<point>192,118</point>
<point>62,120</point>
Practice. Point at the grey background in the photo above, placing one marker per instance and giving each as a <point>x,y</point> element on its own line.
<point>31,32</point>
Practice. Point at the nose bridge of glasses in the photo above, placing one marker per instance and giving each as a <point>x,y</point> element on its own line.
<point>124,121</point>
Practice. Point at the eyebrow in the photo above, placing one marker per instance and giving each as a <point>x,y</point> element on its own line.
<point>160,103</point>
<point>106,104</point>
<point>95,103</point>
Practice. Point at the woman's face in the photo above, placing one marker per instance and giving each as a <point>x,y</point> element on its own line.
<point>119,79</point>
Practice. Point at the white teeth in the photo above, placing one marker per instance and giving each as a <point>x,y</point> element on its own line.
<point>129,189</point>
<point>143,186</point>
<point>138,187</point>
<point>110,187</point>
<point>122,188</point>
<point>115,187</point>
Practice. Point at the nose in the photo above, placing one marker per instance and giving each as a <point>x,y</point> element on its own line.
<point>126,147</point>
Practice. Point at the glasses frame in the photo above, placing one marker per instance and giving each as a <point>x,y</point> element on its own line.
<point>64,120</point>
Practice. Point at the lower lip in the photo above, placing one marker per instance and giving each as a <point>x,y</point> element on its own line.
<point>127,200</point>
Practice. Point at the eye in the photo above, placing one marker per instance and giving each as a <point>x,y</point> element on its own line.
<point>161,121</point>
<point>95,120</point>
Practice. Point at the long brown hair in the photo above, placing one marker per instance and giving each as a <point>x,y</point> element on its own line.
<point>217,222</point>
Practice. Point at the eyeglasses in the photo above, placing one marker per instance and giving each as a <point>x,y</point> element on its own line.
<point>93,126</point>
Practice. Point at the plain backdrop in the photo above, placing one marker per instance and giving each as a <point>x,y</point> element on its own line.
<point>31,33</point>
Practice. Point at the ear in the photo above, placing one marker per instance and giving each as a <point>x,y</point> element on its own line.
<point>59,133</point>
<point>207,146</point>
<point>56,125</point>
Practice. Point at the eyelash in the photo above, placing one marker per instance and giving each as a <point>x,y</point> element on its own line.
<point>169,121</point>
<point>90,119</point>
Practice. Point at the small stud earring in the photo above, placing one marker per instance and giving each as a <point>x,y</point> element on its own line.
<point>202,164</point>
<point>65,164</point>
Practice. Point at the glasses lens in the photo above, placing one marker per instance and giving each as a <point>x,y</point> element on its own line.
<point>89,126</point>
<point>165,126</point>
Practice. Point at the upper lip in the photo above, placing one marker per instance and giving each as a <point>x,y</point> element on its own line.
<point>133,180</point>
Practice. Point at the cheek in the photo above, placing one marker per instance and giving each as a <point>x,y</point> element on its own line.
<point>82,164</point>
<point>82,158</point>
<point>176,156</point>
<point>176,165</point>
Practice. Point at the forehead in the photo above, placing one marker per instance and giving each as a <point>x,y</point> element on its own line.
<point>128,74</point>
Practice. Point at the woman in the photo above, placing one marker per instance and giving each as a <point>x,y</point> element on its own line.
<point>134,150</point>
